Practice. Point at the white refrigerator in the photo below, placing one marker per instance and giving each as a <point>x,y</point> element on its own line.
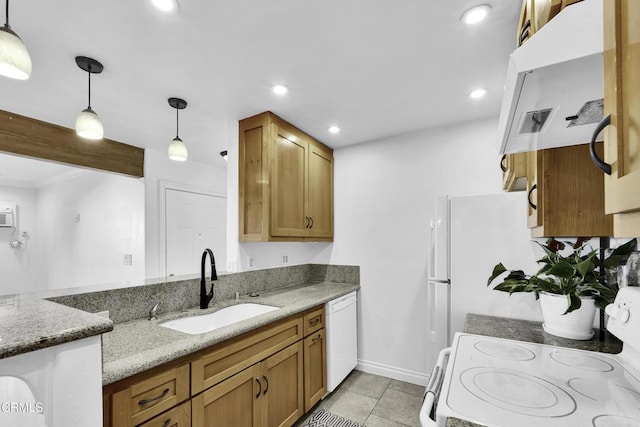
<point>469,236</point>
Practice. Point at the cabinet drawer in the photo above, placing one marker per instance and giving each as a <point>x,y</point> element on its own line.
<point>231,357</point>
<point>150,396</point>
<point>180,416</point>
<point>314,320</point>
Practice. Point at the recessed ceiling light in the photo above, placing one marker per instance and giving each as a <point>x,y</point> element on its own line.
<point>168,6</point>
<point>476,14</point>
<point>477,93</point>
<point>334,129</point>
<point>280,89</point>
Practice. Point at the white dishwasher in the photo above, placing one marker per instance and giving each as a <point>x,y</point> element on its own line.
<point>342,338</point>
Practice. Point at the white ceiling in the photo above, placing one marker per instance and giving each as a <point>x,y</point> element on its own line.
<point>374,67</point>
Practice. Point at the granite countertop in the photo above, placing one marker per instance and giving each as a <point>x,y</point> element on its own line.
<point>28,323</point>
<point>525,330</point>
<point>139,345</point>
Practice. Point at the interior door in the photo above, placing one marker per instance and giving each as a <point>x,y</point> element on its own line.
<point>194,221</point>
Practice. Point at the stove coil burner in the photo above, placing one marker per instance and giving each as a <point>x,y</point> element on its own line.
<point>518,392</point>
<point>582,361</point>
<point>505,351</point>
<point>615,421</point>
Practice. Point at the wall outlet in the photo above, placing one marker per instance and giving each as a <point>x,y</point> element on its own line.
<point>128,259</point>
<point>285,259</point>
<point>251,263</point>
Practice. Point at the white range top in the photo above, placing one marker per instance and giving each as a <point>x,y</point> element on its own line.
<point>505,383</point>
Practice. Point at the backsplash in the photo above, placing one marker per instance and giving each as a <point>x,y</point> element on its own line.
<point>132,303</point>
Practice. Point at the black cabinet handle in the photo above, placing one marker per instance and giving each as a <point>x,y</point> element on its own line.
<point>311,218</point>
<point>316,338</point>
<point>167,423</point>
<point>524,33</point>
<point>145,401</point>
<point>533,187</point>
<point>306,218</point>
<point>259,387</point>
<point>502,166</point>
<point>314,321</point>
<point>604,167</point>
<point>266,387</point>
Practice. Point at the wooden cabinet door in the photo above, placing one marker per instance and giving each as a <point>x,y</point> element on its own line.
<point>233,402</point>
<point>622,102</point>
<point>320,196</point>
<point>253,176</point>
<point>180,416</point>
<point>289,183</point>
<point>315,368</point>
<point>514,171</point>
<point>283,381</point>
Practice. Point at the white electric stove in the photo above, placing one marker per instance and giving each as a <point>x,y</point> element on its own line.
<point>503,383</point>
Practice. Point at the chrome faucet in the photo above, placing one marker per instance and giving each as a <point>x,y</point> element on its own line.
<point>152,312</point>
<point>205,297</point>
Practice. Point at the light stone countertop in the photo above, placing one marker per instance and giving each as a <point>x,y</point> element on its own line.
<point>139,345</point>
<point>29,323</point>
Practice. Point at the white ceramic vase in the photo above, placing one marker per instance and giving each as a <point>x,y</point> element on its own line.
<point>577,325</point>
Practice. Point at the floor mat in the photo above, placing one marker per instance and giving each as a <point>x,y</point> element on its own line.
<point>322,418</point>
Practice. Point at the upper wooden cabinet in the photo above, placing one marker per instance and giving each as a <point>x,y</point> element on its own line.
<point>285,183</point>
<point>514,171</point>
<point>535,14</point>
<point>566,194</point>
<point>622,103</point>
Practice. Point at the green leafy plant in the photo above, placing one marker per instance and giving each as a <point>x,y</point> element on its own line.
<point>581,273</point>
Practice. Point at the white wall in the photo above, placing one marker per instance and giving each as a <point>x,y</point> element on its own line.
<point>158,168</point>
<point>384,198</point>
<point>87,222</point>
<point>18,266</point>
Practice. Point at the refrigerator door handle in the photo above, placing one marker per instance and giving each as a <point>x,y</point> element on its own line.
<point>434,280</point>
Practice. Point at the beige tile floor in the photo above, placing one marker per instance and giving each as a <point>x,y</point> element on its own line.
<point>374,401</point>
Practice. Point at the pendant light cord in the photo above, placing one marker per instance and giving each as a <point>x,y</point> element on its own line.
<point>89,72</point>
<point>177,110</point>
<point>6,14</point>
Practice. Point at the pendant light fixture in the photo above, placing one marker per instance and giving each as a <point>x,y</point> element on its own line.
<point>88,124</point>
<point>177,149</point>
<point>15,61</point>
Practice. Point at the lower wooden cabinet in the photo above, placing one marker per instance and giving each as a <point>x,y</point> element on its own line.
<point>269,393</point>
<point>151,395</point>
<point>315,368</point>
<point>180,416</point>
<point>268,377</point>
<point>233,402</point>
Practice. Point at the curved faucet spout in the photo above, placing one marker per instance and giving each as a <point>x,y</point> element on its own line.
<point>204,297</point>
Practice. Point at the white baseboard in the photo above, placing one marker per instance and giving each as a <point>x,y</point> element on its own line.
<point>393,372</point>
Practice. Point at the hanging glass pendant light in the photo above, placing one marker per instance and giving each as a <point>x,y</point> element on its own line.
<point>177,149</point>
<point>88,124</point>
<point>15,61</point>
